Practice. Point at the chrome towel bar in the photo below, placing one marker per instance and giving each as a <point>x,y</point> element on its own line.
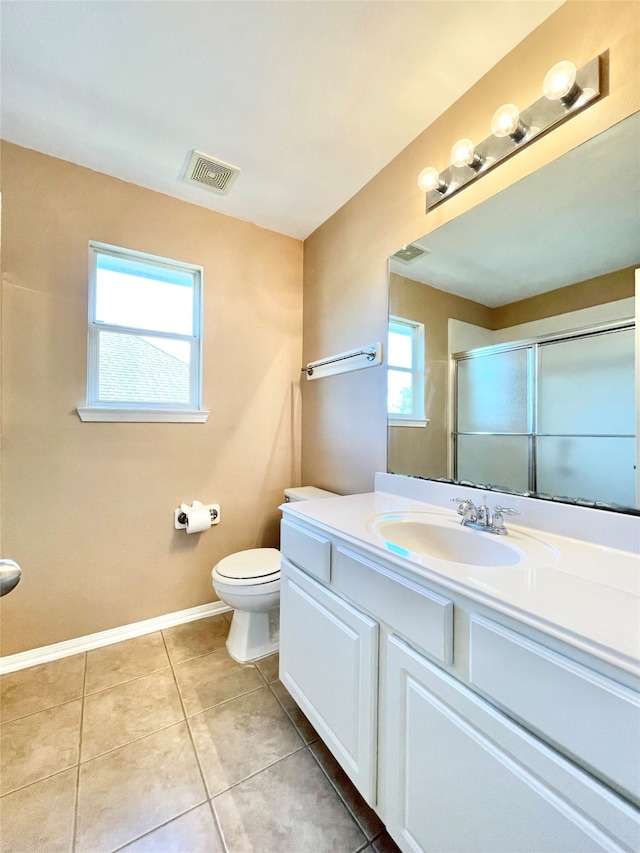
<point>368,356</point>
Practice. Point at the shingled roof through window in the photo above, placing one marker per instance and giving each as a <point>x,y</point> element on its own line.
<point>134,370</point>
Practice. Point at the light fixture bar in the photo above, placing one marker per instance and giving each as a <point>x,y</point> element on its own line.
<point>537,119</point>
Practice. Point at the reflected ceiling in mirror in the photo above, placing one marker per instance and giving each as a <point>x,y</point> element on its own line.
<point>554,253</point>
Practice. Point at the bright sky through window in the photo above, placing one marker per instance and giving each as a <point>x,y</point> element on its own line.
<point>405,371</point>
<point>149,299</point>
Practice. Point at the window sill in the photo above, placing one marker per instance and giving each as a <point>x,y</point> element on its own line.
<point>407,422</point>
<point>167,416</point>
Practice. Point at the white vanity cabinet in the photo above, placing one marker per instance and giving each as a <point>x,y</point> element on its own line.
<point>486,740</point>
<point>329,661</point>
<point>463,777</point>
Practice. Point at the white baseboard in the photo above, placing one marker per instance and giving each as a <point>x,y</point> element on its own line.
<point>32,657</point>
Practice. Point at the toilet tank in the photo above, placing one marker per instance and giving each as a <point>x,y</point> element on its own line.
<point>306,493</point>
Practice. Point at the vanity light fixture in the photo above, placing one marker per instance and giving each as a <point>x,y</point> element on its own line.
<point>566,89</point>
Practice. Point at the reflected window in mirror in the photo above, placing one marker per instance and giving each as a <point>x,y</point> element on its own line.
<point>405,376</point>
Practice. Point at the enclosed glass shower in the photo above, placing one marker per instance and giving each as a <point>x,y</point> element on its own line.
<point>555,415</point>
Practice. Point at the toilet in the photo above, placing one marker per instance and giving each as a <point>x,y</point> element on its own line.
<point>249,582</point>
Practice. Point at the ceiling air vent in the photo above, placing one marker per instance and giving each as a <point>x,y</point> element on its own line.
<point>409,253</point>
<point>211,173</point>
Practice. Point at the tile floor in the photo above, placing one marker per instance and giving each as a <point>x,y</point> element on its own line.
<point>163,744</point>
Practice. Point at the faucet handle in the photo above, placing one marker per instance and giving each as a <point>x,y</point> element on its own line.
<point>497,520</point>
<point>463,504</point>
<point>505,510</point>
<point>466,508</point>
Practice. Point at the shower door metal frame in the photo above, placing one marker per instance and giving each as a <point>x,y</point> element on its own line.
<point>532,345</point>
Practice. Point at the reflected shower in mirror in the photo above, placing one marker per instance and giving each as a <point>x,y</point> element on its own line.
<point>525,312</point>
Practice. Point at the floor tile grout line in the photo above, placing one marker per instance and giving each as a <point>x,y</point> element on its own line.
<point>61,769</point>
<point>33,713</point>
<point>37,781</point>
<point>218,705</point>
<point>333,785</point>
<point>303,743</point>
<point>195,657</point>
<point>181,721</point>
<point>127,681</point>
<point>256,664</point>
<point>77,792</point>
<point>203,655</point>
<point>258,772</point>
<point>342,799</point>
<point>186,660</point>
<point>217,823</point>
<point>188,718</point>
<point>160,826</point>
<point>293,722</point>
<point>134,740</point>
<point>262,674</point>
<point>147,734</point>
<point>40,711</point>
<point>224,702</point>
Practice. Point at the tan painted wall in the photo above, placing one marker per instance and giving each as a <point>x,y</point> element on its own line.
<point>584,294</point>
<point>88,507</point>
<point>422,451</point>
<point>344,437</point>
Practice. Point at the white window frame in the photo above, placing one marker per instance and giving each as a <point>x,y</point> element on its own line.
<point>143,411</point>
<point>416,417</point>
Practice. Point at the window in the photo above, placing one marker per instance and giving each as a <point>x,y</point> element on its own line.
<point>405,373</point>
<point>144,342</point>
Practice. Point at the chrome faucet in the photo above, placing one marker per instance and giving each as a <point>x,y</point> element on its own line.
<point>481,518</point>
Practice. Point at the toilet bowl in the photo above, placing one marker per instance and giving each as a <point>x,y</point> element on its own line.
<point>249,582</point>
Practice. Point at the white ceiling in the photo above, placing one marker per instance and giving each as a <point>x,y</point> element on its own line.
<point>310,98</point>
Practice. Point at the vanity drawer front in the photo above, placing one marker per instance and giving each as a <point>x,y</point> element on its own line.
<point>308,551</point>
<point>591,718</point>
<point>422,617</point>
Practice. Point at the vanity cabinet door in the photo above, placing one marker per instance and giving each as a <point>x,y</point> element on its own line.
<point>329,664</point>
<point>463,777</point>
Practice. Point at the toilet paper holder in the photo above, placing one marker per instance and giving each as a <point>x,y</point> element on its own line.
<point>180,516</point>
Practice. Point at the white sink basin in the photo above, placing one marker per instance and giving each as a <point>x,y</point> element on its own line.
<point>440,538</point>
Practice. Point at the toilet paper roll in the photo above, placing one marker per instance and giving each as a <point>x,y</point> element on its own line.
<point>198,519</point>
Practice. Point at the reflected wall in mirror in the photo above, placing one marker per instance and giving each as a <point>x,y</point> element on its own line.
<point>527,307</point>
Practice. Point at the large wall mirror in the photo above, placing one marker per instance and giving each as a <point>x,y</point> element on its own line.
<point>512,343</point>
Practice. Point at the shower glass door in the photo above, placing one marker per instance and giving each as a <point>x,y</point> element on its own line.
<point>554,416</point>
<point>586,417</point>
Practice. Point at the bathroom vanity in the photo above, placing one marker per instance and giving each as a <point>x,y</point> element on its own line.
<point>481,691</point>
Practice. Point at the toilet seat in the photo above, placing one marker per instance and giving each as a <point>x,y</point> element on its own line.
<point>249,568</point>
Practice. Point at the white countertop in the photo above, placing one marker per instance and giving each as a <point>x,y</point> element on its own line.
<point>583,593</point>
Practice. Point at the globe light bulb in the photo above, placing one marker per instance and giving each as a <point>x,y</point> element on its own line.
<point>560,83</point>
<point>463,153</point>
<point>506,122</point>
<point>429,179</point>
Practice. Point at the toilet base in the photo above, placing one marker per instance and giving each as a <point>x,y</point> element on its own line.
<point>253,635</point>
